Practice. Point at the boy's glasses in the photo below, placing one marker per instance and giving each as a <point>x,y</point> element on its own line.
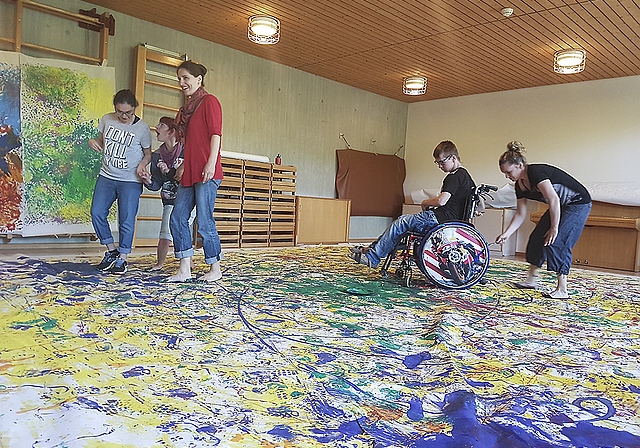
<point>442,162</point>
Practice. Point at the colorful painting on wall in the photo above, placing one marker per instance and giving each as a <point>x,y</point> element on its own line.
<point>10,148</point>
<point>60,105</point>
<point>302,348</point>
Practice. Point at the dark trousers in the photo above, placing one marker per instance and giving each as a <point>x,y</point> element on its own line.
<point>558,254</point>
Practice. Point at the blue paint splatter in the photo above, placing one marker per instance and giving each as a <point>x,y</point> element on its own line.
<point>560,418</point>
<point>611,410</point>
<point>88,335</point>
<point>415,412</point>
<point>412,361</point>
<point>136,371</point>
<point>324,358</point>
<point>282,431</point>
<point>345,430</point>
<point>135,305</point>
<point>90,404</point>
<point>587,435</point>
<point>323,408</point>
<point>478,383</point>
<point>209,429</point>
<point>182,392</point>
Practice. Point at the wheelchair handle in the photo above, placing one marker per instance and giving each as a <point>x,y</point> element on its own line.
<point>483,188</point>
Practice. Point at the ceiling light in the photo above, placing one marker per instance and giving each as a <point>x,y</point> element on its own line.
<point>264,29</point>
<point>569,61</point>
<point>507,11</point>
<point>414,85</point>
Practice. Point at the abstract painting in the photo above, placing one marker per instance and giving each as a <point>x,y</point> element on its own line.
<point>302,348</point>
<point>10,148</point>
<point>60,105</point>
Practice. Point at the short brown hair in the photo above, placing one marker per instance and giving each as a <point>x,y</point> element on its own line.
<point>445,148</point>
<point>169,122</point>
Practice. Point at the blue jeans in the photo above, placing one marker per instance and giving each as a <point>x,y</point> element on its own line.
<point>557,255</point>
<point>419,222</point>
<point>203,197</point>
<point>105,193</point>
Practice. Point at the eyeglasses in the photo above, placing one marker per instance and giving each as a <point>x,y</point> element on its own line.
<point>125,113</point>
<point>442,162</point>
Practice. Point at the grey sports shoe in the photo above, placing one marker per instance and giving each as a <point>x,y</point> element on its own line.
<point>108,260</point>
<point>119,266</point>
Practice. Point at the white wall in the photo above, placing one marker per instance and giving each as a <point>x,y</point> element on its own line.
<point>590,129</point>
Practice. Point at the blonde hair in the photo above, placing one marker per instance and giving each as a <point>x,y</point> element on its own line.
<point>514,154</point>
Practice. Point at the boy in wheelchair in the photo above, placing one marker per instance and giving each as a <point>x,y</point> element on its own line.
<point>449,205</point>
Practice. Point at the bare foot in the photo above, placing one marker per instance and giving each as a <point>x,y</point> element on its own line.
<point>526,285</point>
<point>214,273</point>
<point>184,272</point>
<point>557,294</point>
<point>179,277</point>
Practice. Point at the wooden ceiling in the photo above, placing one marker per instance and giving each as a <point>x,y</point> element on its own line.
<point>463,47</point>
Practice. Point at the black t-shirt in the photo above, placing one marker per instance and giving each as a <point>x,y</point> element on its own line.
<point>460,185</point>
<point>568,189</point>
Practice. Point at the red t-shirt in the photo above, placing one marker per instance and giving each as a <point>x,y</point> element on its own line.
<point>205,122</point>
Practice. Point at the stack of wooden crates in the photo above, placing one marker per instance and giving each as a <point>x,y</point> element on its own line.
<point>256,204</point>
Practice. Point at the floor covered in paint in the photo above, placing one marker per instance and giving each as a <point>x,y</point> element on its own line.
<point>303,348</point>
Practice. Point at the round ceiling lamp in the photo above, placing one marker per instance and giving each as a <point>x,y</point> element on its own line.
<point>506,12</point>
<point>414,85</point>
<point>569,61</point>
<point>264,29</point>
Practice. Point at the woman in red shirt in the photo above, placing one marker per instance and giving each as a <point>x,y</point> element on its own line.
<point>199,124</point>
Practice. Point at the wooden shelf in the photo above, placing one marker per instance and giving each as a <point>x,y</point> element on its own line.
<point>255,205</point>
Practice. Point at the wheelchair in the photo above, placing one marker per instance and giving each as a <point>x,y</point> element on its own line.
<point>452,255</point>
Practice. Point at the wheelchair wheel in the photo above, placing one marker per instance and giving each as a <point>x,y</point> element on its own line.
<point>453,255</point>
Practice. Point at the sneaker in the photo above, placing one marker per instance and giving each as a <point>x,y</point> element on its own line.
<point>361,259</point>
<point>119,266</point>
<point>108,260</point>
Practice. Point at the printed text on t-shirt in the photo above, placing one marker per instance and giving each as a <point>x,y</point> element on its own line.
<point>116,143</point>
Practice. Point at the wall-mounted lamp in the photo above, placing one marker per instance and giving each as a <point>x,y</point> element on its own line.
<point>569,61</point>
<point>264,29</point>
<point>414,85</point>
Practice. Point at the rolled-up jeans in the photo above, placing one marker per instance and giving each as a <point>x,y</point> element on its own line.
<point>419,222</point>
<point>105,193</point>
<point>202,196</point>
<point>558,255</point>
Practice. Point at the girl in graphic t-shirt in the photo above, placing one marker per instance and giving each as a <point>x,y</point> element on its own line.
<point>561,225</point>
<point>125,142</point>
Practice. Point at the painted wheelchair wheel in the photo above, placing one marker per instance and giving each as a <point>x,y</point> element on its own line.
<point>453,255</point>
